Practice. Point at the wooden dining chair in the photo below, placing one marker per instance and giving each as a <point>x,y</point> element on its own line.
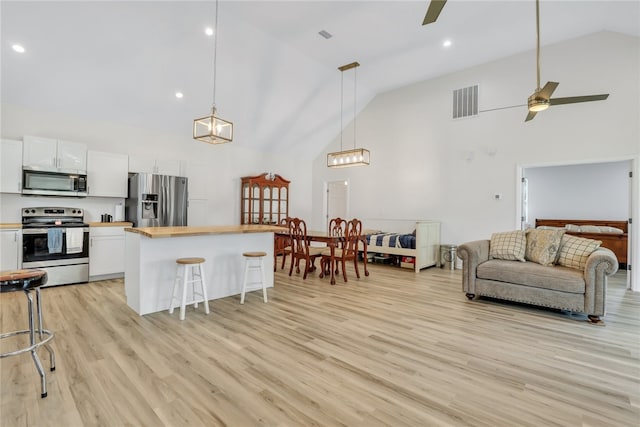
<point>348,252</point>
<point>337,227</point>
<point>282,244</point>
<point>300,248</point>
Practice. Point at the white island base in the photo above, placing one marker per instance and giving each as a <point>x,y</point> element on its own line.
<point>151,253</point>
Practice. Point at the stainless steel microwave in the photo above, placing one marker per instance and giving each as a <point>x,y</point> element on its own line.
<point>54,183</point>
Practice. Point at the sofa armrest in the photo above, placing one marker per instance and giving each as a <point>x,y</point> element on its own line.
<point>601,264</point>
<point>472,254</point>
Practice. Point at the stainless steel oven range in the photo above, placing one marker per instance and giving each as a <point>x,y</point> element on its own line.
<point>56,240</point>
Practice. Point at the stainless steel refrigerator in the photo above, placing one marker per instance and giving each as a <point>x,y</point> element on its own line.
<point>157,200</point>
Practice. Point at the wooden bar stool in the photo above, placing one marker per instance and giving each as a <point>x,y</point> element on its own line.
<point>28,280</point>
<point>254,261</point>
<point>193,265</point>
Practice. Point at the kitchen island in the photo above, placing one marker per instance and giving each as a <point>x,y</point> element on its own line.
<point>151,253</point>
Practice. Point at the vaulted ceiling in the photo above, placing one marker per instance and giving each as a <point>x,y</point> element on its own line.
<point>277,78</point>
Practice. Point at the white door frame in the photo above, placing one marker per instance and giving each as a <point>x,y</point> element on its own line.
<point>325,200</point>
<point>633,250</point>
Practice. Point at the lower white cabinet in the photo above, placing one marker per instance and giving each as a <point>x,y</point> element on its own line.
<point>106,252</point>
<point>10,249</point>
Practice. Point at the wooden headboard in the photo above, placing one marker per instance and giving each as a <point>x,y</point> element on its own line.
<point>616,242</point>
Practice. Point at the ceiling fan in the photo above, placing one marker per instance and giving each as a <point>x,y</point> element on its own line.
<point>541,99</point>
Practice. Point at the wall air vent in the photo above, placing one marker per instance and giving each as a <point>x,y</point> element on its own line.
<point>465,102</point>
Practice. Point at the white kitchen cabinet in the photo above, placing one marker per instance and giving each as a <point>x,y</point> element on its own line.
<point>10,249</point>
<point>106,252</point>
<point>151,165</point>
<point>107,174</point>
<point>11,166</point>
<point>54,155</point>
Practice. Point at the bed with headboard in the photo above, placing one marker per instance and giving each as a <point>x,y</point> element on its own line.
<point>407,238</point>
<point>614,235</point>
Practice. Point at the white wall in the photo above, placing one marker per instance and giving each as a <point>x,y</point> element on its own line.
<point>424,165</point>
<point>585,191</point>
<point>224,164</point>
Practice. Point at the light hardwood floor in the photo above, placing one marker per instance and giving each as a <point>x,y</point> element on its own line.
<point>392,349</point>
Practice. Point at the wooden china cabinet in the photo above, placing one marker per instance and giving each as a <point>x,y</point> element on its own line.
<point>264,199</point>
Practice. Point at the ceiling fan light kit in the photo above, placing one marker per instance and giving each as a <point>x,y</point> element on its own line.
<point>355,156</point>
<point>537,104</point>
<point>213,129</point>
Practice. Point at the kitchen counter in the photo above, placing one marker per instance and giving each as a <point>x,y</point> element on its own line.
<point>157,232</point>
<point>151,254</point>
<point>110,224</point>
<point>10,225</point>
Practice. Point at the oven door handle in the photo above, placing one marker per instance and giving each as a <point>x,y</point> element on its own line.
<point>34,231</point>
<point>44,230</point>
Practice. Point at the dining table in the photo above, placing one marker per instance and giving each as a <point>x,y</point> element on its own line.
<point>333,241</point>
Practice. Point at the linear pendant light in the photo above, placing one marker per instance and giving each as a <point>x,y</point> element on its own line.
<point>355,156</point>
<point>213,129</point>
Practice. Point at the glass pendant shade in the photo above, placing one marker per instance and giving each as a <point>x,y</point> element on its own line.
<point>346,158</point>
<point>212,129</point>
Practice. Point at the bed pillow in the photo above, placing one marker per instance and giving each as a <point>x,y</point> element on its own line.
<point>590,229</point>
<point>543,246</point>
<point>614,230</point>
<point>572,227</point>
<point>574,251</point>
<point>509,245</point>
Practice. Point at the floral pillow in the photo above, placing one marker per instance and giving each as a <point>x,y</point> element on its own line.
<point>543,245</point>
<point>510,245</point>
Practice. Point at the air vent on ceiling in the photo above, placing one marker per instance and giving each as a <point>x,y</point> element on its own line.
<point>465,102</point>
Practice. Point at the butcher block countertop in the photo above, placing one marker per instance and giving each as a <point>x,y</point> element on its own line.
<point>10,225</point>
<point>158,232</point>
<point>110,224</point>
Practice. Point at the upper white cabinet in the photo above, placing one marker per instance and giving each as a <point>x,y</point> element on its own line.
<point>151,165</point>
<point>107,174</point>
<point>54,155</point>
<point>11,166</point>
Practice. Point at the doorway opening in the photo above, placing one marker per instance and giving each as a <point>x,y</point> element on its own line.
<point>596,190</point>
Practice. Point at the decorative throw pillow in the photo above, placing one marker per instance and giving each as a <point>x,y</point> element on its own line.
<point>574,251</point>
<point>510,245</point>
<point>543,246</point>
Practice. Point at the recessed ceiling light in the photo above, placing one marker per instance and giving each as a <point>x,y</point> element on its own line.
<point>446,43</point>
<point>208,31</point>
<point>18,48</point>
<point>179,95</point>
<point>325,34</point>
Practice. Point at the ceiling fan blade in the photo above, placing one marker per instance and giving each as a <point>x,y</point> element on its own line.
<point>576,99</point>
<point>435,7</point>
<point>530,115</point>
<point>548,90</point>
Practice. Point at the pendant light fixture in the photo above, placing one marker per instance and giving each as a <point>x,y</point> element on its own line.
<point>355,156</point>
<point>212,129</point>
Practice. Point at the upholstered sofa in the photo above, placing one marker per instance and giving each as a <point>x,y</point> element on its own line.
<point>555,286</point>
